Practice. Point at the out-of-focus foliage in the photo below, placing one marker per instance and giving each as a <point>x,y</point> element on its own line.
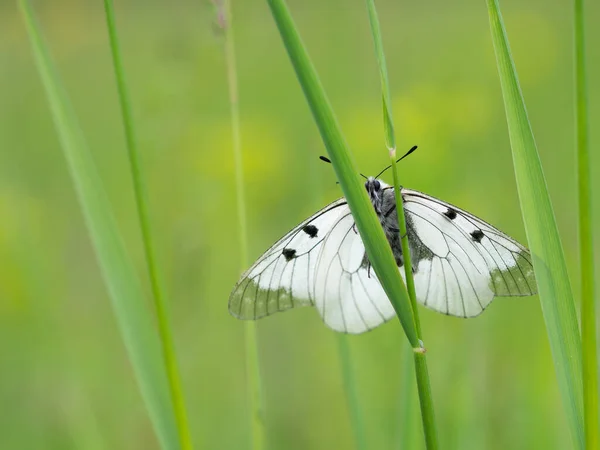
<point>65,381</point>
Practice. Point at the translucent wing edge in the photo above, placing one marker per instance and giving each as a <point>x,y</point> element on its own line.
<point>280,298</point>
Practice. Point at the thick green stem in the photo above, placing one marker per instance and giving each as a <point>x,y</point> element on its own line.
<point>371,232</point>
<point>586,244</point>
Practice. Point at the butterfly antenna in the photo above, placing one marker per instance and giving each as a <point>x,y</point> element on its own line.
<point>413,148</point>
<point>327,160</point>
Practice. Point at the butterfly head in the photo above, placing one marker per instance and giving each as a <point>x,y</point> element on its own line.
<point>375,188</point>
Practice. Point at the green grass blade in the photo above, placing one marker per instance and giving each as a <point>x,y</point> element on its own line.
<point>406,430</point>
<point>423,383</point>
<point>377,247</point>
<point>586,243</point>
<point>253,378</point>
<point>349,380</point>
<point>141,199</point>
<point>388,122</point>
<point>134,320</point>
<point>542,234</point>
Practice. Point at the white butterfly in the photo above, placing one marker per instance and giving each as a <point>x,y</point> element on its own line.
<point>460,264</point>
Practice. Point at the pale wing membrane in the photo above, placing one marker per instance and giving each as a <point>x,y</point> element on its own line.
<point>470,262</point>
<point>321,262</point>
<point>348,294</point>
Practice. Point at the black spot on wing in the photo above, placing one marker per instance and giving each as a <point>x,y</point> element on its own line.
<point>450,214</point>
<point>477,235</point>
<point>289,253</point>
<point>311,230</point>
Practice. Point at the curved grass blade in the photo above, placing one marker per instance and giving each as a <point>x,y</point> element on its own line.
<point>422,373</point>
<point>586,242</point>
<point>542,234</point>
<point>377,247</point>
<point>141,199</point>
<point>134,320</point>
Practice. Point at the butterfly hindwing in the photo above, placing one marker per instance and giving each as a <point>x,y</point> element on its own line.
<point>347,293</point>
<point>470,262</point>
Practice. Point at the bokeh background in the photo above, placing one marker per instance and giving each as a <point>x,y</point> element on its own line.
<point>65,380</point>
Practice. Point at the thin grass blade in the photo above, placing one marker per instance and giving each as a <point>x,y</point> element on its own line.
<point>422,373</point>
<point>407,438</point>
<point>377,247</point>
<point>586,241</point>
<point>253,375</point>
<point>388,121</point>
<point>141,199</point>
<point>350,388</point>
<point>134,319</point>
<point>542,234</point>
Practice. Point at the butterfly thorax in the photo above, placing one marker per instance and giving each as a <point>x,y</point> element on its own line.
<point>383,201</point>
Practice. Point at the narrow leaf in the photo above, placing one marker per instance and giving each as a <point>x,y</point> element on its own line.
<point>134,319</point>
<point>141,200</point>
<point>542,234</point>
<point>377,247</point>
<point>586,241</point>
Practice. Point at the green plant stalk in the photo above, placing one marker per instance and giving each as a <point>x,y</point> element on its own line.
<point>422,374</point>
<point>388,122</point>
<point>123,285</point>
<point>547,254</point>
<point>358,427</point>
<point>253,378</point>
<point>421,371</point>
<point>376,245</point>
<point>586,242</point>
<point>141,200</point>
<point>406,435</point>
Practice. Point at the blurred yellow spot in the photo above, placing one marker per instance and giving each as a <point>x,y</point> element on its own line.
<point>20,218</point>
<point>210,150</point>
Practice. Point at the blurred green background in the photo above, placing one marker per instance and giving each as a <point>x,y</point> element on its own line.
<point>65,381</point>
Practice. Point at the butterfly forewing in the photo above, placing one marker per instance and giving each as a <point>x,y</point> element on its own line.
<point>283,277</point>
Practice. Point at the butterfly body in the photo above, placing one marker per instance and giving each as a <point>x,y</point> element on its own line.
<point>460,263</point>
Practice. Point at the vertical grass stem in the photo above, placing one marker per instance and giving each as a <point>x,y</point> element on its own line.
<point>254,384</point>
<point>122,282</point>
<point>141,200</point>
<point>422,374</point>
<point>586,242</point>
